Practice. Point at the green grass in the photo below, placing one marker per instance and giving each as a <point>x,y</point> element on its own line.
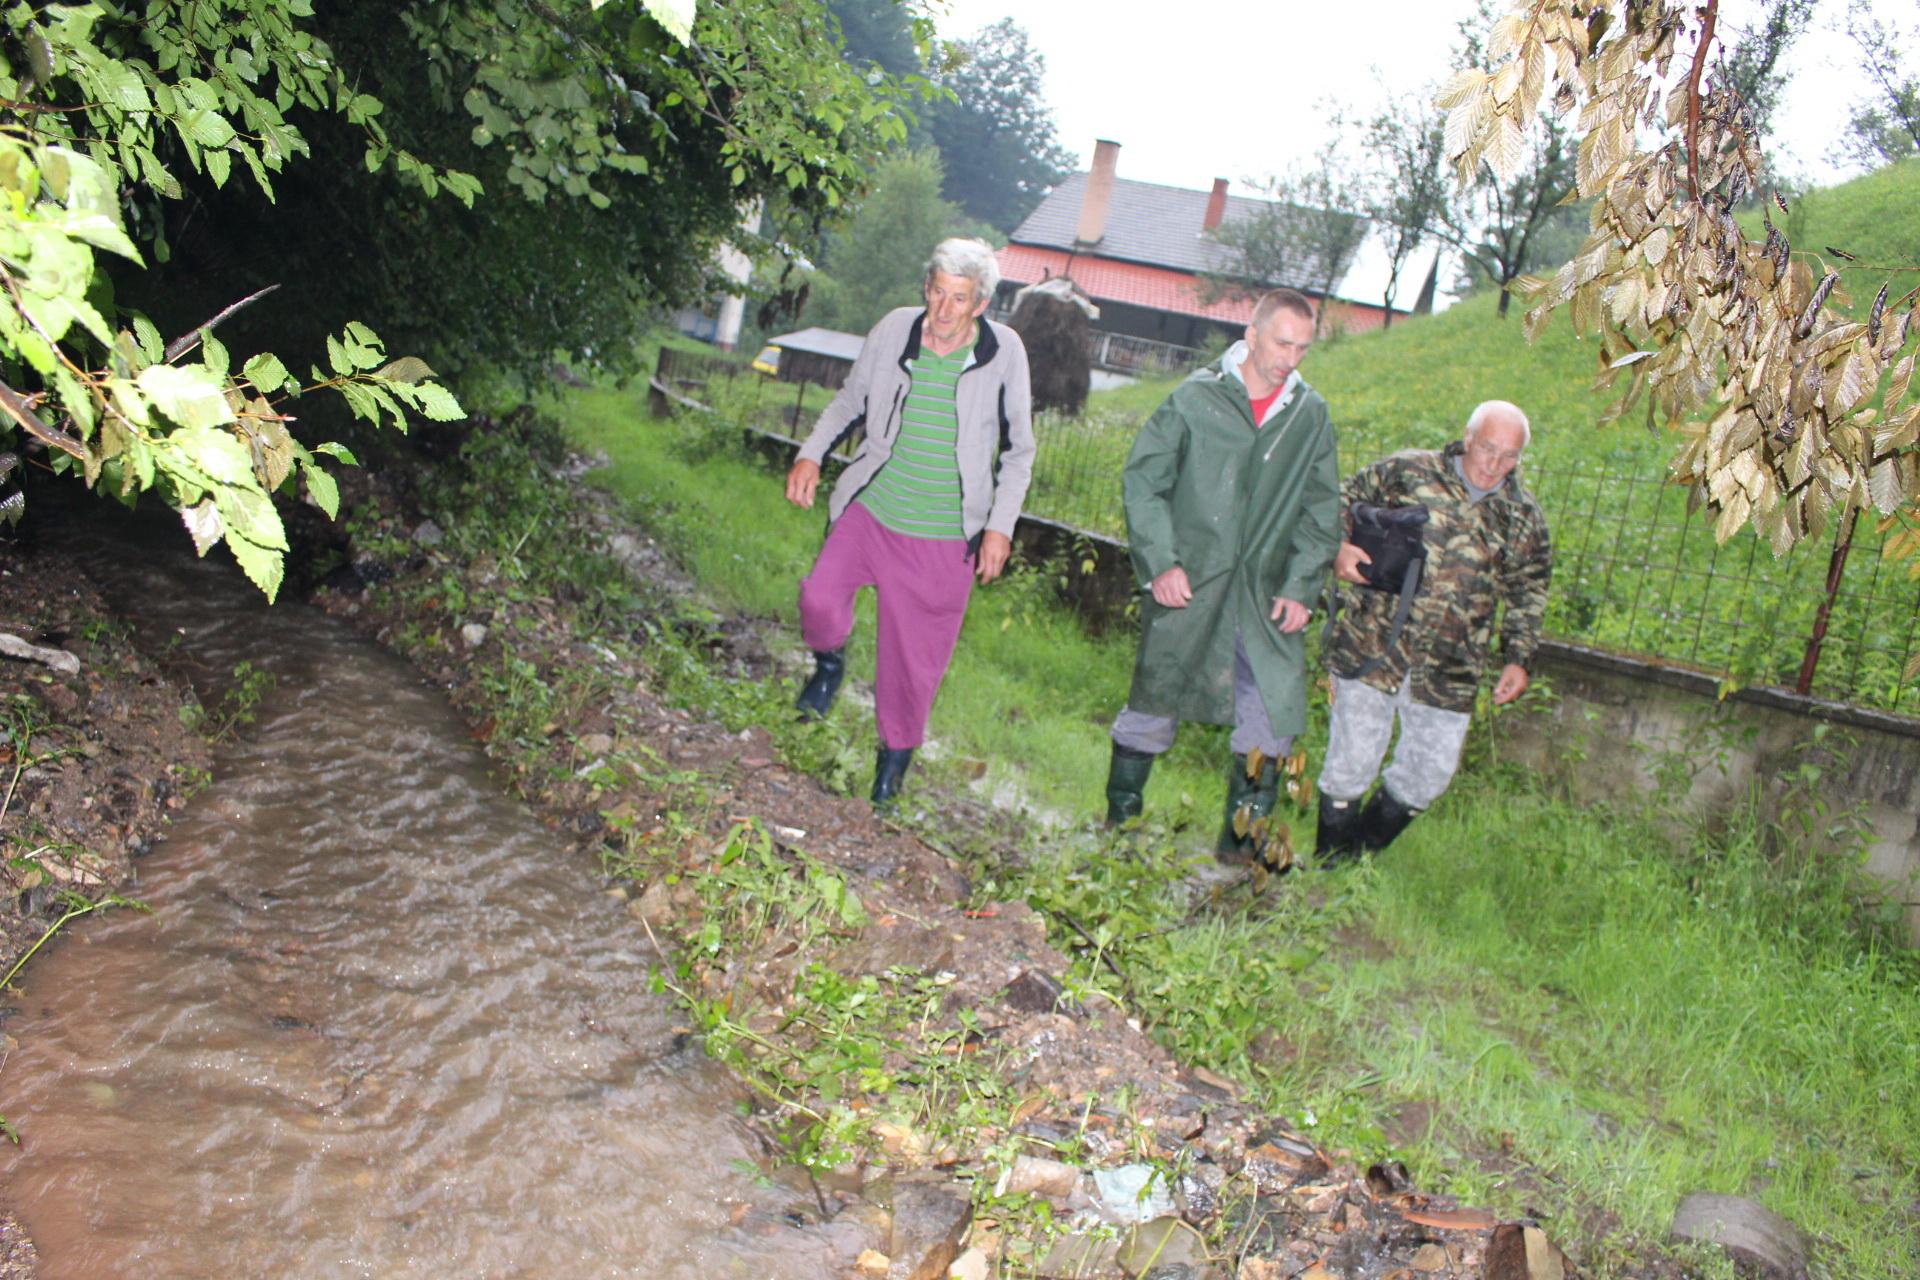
<point>1539,1007</point>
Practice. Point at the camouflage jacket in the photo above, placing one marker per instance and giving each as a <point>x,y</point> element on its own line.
<point>1479,557</point>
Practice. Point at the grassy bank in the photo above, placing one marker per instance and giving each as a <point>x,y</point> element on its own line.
<point>1545,1008</point>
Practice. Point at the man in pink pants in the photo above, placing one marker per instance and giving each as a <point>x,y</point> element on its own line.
<point>928,503</point>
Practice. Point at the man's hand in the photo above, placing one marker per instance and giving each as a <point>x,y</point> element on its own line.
<point>1512,683</point>
<point>1290,614</point>
<point>994,549</point>
<point>1347,561</point>
<point>1170,589</point>
<point>802,479</point>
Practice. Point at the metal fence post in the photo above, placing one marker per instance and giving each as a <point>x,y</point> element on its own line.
<point>1836,569</point>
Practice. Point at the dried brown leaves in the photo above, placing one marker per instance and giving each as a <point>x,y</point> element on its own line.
<point>1788,412</point>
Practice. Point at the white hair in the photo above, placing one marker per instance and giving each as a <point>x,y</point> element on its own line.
<point>1502,408</point>
<point>972,259</point>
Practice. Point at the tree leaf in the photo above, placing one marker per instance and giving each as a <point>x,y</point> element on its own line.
<point>675,15</point>
<point>438,403</point>
<point>322,489</point>
<point>263,566</point>
<point>188,396</point>
<point>266,372</point>
<point>407,369</point>
<point>203,525</point>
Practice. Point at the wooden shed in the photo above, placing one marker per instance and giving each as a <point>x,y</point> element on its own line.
<point>820,356</point>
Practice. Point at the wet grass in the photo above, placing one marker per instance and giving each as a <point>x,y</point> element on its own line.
<point>1544,1008</point>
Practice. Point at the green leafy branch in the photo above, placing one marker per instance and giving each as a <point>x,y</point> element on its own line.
<point>100,99</point>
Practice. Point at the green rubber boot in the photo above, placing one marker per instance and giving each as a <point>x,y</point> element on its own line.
<point>1250,799</point>
<point>1126,783</point>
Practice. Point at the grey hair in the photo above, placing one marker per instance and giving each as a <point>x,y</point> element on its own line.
<point>964,256</point>
<point>1487,409</point>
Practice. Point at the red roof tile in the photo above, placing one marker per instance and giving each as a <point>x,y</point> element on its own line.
<point>1130,282</point>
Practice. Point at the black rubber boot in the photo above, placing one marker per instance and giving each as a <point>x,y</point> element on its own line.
<point>1339,837</point>
<point>889,766</point>
<point>1382,820</point>
<point>1126,782</point>
<point>829,669</point>
<point>1249,799</point>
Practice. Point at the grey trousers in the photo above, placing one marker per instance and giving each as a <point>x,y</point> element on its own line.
<point>1139,731</point>
<point>1423,762</point>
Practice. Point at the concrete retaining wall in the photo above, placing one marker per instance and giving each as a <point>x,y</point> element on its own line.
<point>1611,719</point>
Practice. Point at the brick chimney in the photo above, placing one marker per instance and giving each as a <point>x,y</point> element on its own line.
<point>1098,194</point>
<point>1216,205</point>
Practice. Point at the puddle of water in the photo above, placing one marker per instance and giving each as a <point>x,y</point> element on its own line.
<point>377,1023</point>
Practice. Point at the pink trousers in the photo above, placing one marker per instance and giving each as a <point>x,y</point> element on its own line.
<point>921,586</point>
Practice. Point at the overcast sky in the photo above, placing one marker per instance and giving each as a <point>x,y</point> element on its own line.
<point>1234,89</point>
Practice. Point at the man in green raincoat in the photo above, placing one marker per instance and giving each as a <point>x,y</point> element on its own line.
<point>1233,498</point>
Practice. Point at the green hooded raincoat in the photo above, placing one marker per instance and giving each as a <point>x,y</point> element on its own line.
<point>1250,513</point>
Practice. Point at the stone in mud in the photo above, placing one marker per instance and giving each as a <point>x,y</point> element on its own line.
<point>473,635</point>
<point>1198,1192</point>
<point>1183,1119</point>
<point>929,1217</point>
<point>1175,1271</point>
<point>923,950</point>
<point>971,1265</point>
<point>1035,1175</point>
<point>1750,1232</point>
<point>1035,992</point>
<point>1132,1193</point>
<point>1162,1241</point>
<point>655,906</point>
<point>1388,1178</point>
<point>1079,1256</point>
<point>1280,1162</point>
<point>1519,1252</point>
<point>428,534</point>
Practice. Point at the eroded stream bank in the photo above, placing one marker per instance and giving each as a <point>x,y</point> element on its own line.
<point>380,1021</point>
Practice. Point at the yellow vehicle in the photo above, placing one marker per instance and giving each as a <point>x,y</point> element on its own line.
<point>768,361</point>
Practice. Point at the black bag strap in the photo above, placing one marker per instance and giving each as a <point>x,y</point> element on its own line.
<point>1409,588</point>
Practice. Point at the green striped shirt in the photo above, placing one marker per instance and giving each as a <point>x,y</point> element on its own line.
<point>917,492</point>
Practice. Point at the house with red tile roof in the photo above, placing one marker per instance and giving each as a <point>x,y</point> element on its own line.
<point>1139,250</point>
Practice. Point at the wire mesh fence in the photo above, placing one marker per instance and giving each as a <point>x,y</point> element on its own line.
<point>1635,569</point>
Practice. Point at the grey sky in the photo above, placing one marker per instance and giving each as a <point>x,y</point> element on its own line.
<point>1235,89</point>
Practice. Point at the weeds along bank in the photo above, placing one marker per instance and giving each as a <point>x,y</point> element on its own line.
<point>1544,1005</point>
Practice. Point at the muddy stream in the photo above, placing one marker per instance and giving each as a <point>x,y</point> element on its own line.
<point>378,1022</point>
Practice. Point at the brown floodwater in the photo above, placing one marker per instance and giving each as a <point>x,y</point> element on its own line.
<point>378,1020</point>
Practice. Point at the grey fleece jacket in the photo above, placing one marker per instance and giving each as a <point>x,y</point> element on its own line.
<point>995,444</point>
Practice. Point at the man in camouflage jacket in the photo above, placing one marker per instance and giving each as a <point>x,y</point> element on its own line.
<point>1486,547</point>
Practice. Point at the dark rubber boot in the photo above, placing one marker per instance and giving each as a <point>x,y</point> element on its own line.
<point>829,669</point>
<point>1126,783</point>
<point>1249,799</point>
<point>889,766</point>
<point>1382,820</point>
<point>1339,837</point>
